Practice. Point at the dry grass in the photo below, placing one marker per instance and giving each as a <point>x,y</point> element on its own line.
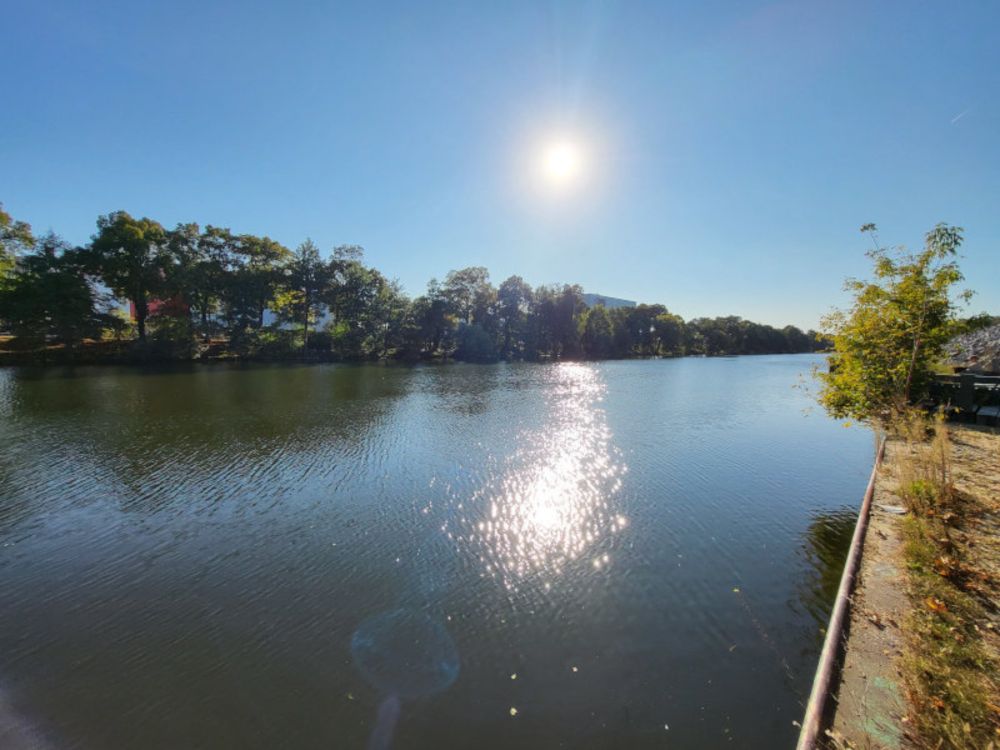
<point>949,668</point>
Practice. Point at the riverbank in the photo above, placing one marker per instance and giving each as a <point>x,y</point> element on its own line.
<point>116,352</point>
<point>923,635</point>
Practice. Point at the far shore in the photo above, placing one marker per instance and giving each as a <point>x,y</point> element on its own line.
<point>132,353</point>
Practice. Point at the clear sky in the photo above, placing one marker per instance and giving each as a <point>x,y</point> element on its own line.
<point>729,151</point>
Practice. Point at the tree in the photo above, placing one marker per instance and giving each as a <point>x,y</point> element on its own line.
<point>344,263</point>
<point>469,293</point>
<point>514,300</point>
<point>203,260</point>
<point>47,297</point>
<point>566,311</point>
<point>388,316</point>
<point>131,258</point>
<point>370,309</point>
<point>886,344</point>
<point>669,334</point>
<point>474,344</point>
<point>15,237</point>
<point>256,270</point>
<point>434,318</point>
<point>641,328</point>
<point>306,281</point>
<point>597,334</point>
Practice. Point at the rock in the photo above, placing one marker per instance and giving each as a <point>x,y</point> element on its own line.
<point>978,351</point>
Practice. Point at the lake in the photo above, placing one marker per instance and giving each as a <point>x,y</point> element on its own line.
<point>616,555</point>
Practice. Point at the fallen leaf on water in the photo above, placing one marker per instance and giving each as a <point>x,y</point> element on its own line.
<point>513,711</point>
<point>514,676</point>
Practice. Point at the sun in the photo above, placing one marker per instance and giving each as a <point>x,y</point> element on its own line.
<point>562,163</point>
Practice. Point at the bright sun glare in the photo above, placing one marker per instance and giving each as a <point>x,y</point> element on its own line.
<point>562,162</point>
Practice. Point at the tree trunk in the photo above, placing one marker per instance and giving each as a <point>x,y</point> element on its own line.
<point>305,325</point>
<point>913,354</point>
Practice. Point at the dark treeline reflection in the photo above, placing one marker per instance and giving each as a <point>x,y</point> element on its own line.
<point>207,292</point>
<point>210,432</point>
<point>826,543</point>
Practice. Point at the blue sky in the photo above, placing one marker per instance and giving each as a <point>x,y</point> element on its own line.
<point>732,149</point>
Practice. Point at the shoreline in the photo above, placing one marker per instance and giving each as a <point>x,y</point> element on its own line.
<point>9,359</point>
<point>875,699</point>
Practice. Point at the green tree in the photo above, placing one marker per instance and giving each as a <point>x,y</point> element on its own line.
<point>388,314</point>
<point>514,300</point>
<point>306,281</point>
<point>975,323</point>
<point>669,334</point>
<point>345,262</point>
<point>15,237</point>
<point>597,338</point>
<point>474,344</point>
<point>886,344</point>
<point>469,294</point>
<point>428,324</point>
<point>565,322</point>
<point>255,272</point>
<point>131,257</point>
<point>47,297</point>
<point>202,260</point>
<point>368,306</point>
<point>640,321</point>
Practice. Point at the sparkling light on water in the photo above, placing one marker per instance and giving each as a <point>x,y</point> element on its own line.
<point>553,502</point>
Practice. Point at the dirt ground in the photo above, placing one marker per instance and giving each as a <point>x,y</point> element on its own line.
<point>870,708</point>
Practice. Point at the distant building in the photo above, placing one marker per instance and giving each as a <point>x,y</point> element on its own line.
<point>609,302</point>
<point>175,307</point>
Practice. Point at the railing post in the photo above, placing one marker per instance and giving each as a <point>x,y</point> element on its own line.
<point>966,391</point>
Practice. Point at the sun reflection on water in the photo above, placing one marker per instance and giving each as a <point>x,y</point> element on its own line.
<point>551,504</point>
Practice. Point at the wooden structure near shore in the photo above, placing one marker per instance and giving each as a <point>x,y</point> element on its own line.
<point>973,398</point>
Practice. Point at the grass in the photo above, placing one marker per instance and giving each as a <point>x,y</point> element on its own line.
<point>948,671</point>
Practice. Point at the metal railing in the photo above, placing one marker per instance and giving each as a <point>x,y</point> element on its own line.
<point>816,708</point>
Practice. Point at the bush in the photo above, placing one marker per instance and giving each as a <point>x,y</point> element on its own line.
<point>171,338</point>
<point>275,343</point>
<point>319,341</point>
<point>475,345</point>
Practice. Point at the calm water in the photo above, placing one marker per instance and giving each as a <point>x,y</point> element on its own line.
<point>630,554</point>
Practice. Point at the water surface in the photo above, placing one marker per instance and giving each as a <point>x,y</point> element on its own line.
<point>627,554</point>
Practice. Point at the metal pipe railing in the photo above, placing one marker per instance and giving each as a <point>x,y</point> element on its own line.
<point>811,722</point>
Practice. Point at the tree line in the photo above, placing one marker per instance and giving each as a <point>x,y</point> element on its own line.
<point>199,290</point>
